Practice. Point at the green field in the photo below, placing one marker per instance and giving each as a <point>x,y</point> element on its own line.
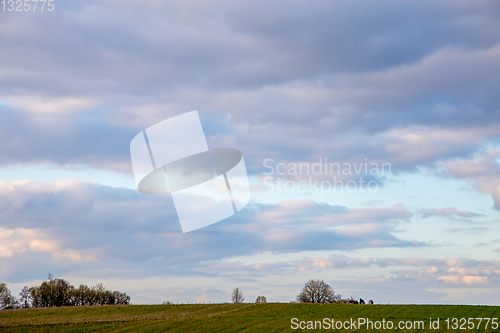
<point>271,317</point>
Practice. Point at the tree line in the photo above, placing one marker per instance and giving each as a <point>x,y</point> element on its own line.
<point>56,292</point>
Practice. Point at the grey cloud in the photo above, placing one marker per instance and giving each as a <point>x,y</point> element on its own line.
<point>481,167</point>
<point>232,44</point>
<point>432,271</point>
<point>79,225</point>
<point>349,86</point>
<point>63,141</point>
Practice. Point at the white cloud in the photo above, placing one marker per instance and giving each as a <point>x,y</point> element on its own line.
<point>482,168</point>
<point>50,105</point>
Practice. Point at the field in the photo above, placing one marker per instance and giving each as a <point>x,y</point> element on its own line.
<point>271,317</point>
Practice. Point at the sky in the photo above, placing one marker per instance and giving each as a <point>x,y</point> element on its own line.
<point>411,85</point>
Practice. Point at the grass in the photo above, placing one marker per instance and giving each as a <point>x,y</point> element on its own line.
<point>271,317</point>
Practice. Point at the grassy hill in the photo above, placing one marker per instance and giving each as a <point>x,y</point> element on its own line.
<point>271,317</point>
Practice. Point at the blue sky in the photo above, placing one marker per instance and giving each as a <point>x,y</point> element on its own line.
<point>413,84</point>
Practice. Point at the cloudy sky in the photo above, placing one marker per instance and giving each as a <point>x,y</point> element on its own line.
<point>414,85</point>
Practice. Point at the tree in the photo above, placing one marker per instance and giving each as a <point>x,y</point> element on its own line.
<point>370,302</point>
<point>24,297</point>
<point>361,301</point>
<point>62,292</point>
<point>316,291</point>
<point>35,297</point>
<point>53,292</point>
<point>100,294</point>
<point>7,301</point>
<point>260,300</point>
<point>121,298</point>
<point>237,296</point>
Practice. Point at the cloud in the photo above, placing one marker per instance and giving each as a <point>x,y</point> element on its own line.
<point>482,168</point>
<point>63,141</point>
<point>14,242</point>
<point>469,230</point>
<point>234,45</point>
<point>432,271</point>
<point>77,222</point>
<point>467,279</point>
<point>349,90</point>
<point>38,104</point>
<point>450,212</point>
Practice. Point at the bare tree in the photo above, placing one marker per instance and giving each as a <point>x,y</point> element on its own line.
<point>24,297</point>
<point>237,296</point>
<point>99,291</point>
<point>317,291</point>
<point>7,301</point>
<point>260,300</point>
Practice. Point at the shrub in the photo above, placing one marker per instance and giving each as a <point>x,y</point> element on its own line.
<point>260,300</point>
